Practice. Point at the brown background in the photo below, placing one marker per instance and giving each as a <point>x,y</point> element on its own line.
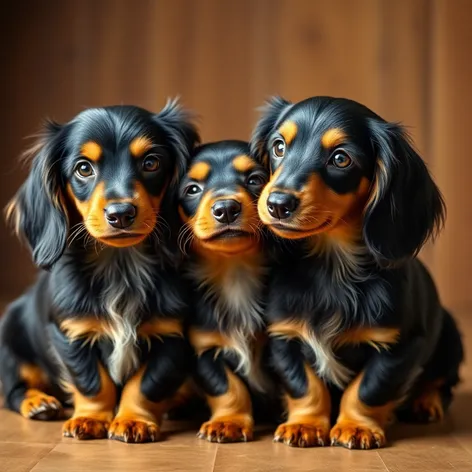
<point>409,60</point>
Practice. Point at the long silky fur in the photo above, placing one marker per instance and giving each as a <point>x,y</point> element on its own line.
<point>237,307</point>
<point>127,277</point>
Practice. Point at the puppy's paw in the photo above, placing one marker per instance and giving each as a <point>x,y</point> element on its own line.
<point>355,436</point>
<point>302,434</point>
<point>133,430</point>
<point>39,406</point>
<point>428,408</point>
<point>227,430</point>
<point>82,427</point>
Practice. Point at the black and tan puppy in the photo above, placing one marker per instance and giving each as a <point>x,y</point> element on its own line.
<point>104,323</point>
<point>350,307</point>
<point>218,202</point>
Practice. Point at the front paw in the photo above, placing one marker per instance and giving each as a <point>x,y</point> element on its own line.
<point>355,436</point>
<point>302,434</point>
<point>133,430</point>
<point>83,427</point>
<point>227,430</point>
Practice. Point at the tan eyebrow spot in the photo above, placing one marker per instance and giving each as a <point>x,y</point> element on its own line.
<point>199,171</point>
<point>333,137</point>
<point>140,145</point>
<point>288,130</point>
<point>243,163</point>
<point>91,150</point>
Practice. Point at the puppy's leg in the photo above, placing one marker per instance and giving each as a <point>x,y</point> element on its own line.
<point>307,397</point>
<point>92,389</point>
<point>369,401</point>
<point>433,393</point>
<point>24,384</point>
<point>150,392</point>
<point>228,398</point>
<point>93,411</point>
<point>360,426</point>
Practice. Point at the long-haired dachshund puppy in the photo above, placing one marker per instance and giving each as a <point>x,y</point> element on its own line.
<point>104,322</point>
<point>350,307</point>
<point>218,203</point>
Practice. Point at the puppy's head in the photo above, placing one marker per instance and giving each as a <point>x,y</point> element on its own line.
<point>339,169</point>
<point>218,197</point>
<point>103,175</point>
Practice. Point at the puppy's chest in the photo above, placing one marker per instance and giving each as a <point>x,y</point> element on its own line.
<point>126,283</point>
<point>341,316</point>
<point>234,297</point>
<point>237,295</point>
<point>233,292</point>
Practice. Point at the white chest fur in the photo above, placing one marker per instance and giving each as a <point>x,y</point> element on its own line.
<point>327,364</point>
<point>125,275</point>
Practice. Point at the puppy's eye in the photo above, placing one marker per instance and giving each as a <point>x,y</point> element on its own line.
<point>278,148</point>
<point>256,180</point>
<point>193,190</point>
<point>84,169</point>
<point>151,163</point>
<point>341,159</point>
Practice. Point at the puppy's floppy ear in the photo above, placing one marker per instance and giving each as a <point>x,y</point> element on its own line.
<point>405,207</point>
<point>178,125</point>
<point>272,111</point>
<point>38,210</point>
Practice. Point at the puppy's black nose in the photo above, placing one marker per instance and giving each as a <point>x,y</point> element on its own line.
<point>226,211</point>
<point>120,215</point>
<point>281,205</point>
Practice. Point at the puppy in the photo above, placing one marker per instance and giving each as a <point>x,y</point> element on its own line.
<point>350,308</point>
<point>103,322</point>
<point>218,203</point>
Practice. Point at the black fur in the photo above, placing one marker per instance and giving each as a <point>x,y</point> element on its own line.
<point>210,373</point>
<point>410,209</point>
<point>374,280</point>
<point>212,311</point>
<point>287,362</point>
<point>80,361</point>
<point>167,369</point>
<point>88,278</point>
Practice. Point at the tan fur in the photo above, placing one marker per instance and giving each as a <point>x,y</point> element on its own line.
<point>333,137</point>
<point>377,337</point>
<point>138,419</point>
<point>140,145</point>
<point>91,150</point>
<point>231,414</point>
<point>308,417</point>
<point>92,414</point>
<point>243,163</point>
<point>199,171</point>
<point>360,426</point>
<point>288,130</point>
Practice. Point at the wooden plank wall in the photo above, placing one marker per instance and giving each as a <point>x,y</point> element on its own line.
<point>409,60</point>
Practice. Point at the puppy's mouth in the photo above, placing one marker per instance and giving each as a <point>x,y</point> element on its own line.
<point>294,232</point>
<point>123,238</point>
<point>227,233</point>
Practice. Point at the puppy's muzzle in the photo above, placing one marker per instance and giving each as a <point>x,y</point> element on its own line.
<point>226,211</point>
<point>120,215</point>
<point>281,205</point>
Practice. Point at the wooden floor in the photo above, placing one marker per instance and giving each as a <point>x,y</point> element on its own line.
<point>38,446</point>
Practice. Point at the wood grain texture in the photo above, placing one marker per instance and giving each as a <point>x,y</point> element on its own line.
<point>408,60</point>
<point>450,140</point>
<point>21,457</point>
